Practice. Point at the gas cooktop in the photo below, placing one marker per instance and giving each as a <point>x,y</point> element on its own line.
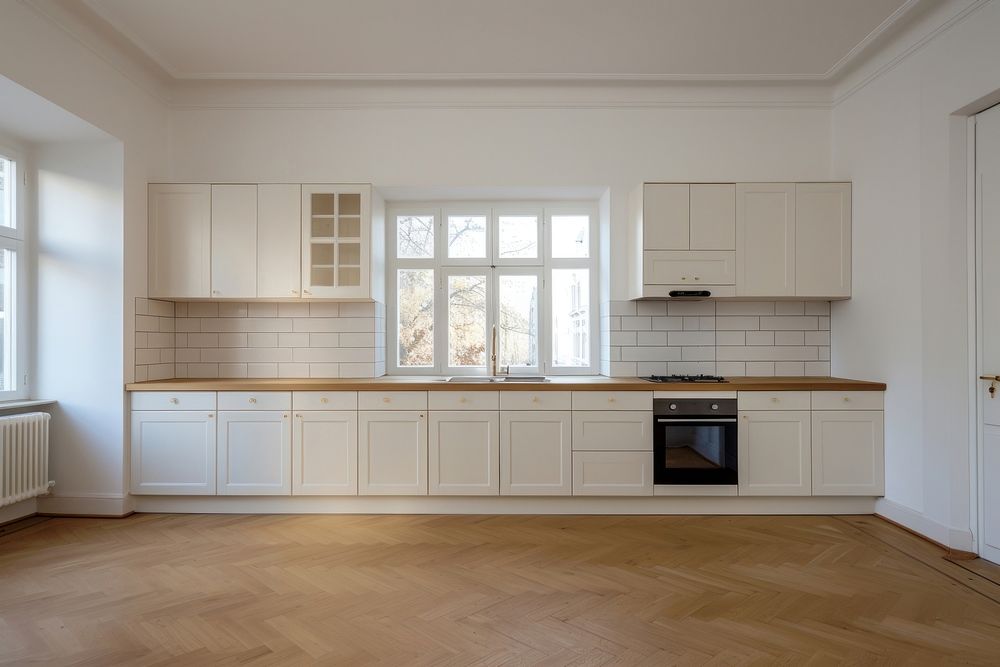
<point>683,378</point>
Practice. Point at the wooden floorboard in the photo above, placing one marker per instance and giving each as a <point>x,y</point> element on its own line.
<point>498,590</point>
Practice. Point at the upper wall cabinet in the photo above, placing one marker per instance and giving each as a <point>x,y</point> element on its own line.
<point>180,240</point>
<point>267,241</point>
<point>748,240</point>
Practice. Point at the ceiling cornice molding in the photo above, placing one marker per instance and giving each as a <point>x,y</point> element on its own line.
<point>891,63</point>
<point>829,77</point>
<point>487,105</point>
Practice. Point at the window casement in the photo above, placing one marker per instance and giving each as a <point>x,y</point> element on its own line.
<point>456,270</point>
<point>13,269</point>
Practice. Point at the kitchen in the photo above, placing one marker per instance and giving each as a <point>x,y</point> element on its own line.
<point>432,294</point>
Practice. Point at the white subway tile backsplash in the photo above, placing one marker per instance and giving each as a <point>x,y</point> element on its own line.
<point>228,309</point>
<point>651,308</point>
<point>262,370</point>
<point>262,339</point>
<point>232,340</point>
<point>727,338</point>
<point>203,309</point>
<point>357,310</point>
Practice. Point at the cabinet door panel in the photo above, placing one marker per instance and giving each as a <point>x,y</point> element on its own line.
<point>464,453</point>
<point>325,453</point>
<point>612,473</point>
<point>180,240</point>
<point>765,239</point>
<point>173,453</point>
<point>713,216</point>
<point>392,453</point>
<point>610,431</point>
<point>848,453</point>
<point>336,241</point>
<point>823,239</point>
<point>255,453</point>
<point>775,454</point>
<point>536,455</point>
<point>279,231</point>
<point>234,241</point>
<point>665,215</point>
<point>689,269</point>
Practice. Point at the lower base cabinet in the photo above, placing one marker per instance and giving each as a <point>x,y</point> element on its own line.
<point>775,454</point>
<point>325,453</point>
<point>612,473</point>
<point>848,453</point>
<point>173,453</point>
<point>536,458</point>
<point>392,453</point>
<point>254,453</point>
<point>464,453</point>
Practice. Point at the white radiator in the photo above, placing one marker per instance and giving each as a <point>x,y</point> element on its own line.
<point>24,457</point>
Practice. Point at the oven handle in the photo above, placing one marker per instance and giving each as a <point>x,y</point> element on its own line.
<point>695,420</point>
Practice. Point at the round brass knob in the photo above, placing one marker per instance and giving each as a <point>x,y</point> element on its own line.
<point>174,401</point>
<point>324,400</point>
<point>253,400</point>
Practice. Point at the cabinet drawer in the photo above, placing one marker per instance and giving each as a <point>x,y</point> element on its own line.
<point>325,400</point>
<point>612,473</point>
<point>704,267</point>
<point>463,400</point>
<point>847,400</point>
<point>255,400</point>
<point>392,400</point>
<point>773,400</point>
<point>613,431</point>
<point>612,400</point>
<point>179,400</point>
<point>535,400</point>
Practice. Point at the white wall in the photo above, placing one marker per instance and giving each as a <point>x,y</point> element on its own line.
<point>78,339</point>
<point>77,74</point>
<point>517,144</point>
<point>896,138</point>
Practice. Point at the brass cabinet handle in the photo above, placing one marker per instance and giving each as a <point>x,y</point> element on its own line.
<point>991,378</point>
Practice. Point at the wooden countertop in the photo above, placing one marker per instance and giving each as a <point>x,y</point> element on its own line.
<point>562,383</point>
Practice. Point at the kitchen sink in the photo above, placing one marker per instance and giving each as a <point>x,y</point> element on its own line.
<point>497,378</point>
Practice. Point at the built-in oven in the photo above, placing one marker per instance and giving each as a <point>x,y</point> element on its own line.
<point>694,441</point>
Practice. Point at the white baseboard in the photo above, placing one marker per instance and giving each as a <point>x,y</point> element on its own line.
<point>505,505</point>
<point>954,538</point>
<point>18,510</point>
<point>83,505</point>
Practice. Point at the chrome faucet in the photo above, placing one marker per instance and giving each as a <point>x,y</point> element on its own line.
<point>493,351</point>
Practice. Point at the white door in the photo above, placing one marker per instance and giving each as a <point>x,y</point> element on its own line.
<point>173,453</point>
<point>234,241</point>
<point>392,453</point>
<point>612,473</point>
<point>774,453</point>
<point>713,216</point>
<point>279,232</point>
<point>536,456</point>
<point>325,453</point>
<point>255,453</point>
<point>848,457</point>
<point>336,241</point>
<point>823,240</point>
<point>765,239</point>
<point>988,214</point>
<point>180,240</point>
<point>665,216</point>
<point>464,453</point>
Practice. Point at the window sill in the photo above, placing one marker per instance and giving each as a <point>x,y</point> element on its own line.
<point>21,403</point>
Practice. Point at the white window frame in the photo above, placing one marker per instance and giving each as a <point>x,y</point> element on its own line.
<point>495,267</point>
<point>15,239</point>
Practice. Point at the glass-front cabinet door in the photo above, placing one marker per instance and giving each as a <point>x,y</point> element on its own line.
<point>336,241</point>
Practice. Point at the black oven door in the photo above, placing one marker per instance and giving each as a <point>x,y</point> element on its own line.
<point>695,451</point>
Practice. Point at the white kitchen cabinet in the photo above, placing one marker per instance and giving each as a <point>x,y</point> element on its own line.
<point>775,454</point>
<point>234,241</point>
<point>254,453</point>
<point>665,216</point>
<point>392,453</point>
<point>536,456</point>
<point>180,240</point>
<point>688,269</point>
<point>848,453</point>
<point>713,216</point>
<point>621,430</point>
<point>173,452</point>
<point>765,239</point>
<point>612,473</point>
<point>279,234</point>
<point>464,453</point>
<point>823,240</point>
<point>336,241</point>
<point>325,453</point>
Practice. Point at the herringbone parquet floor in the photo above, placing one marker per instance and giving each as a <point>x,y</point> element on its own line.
<point>461,590</point>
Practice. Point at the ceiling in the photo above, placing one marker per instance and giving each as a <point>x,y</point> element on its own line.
<point>512,39</point>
